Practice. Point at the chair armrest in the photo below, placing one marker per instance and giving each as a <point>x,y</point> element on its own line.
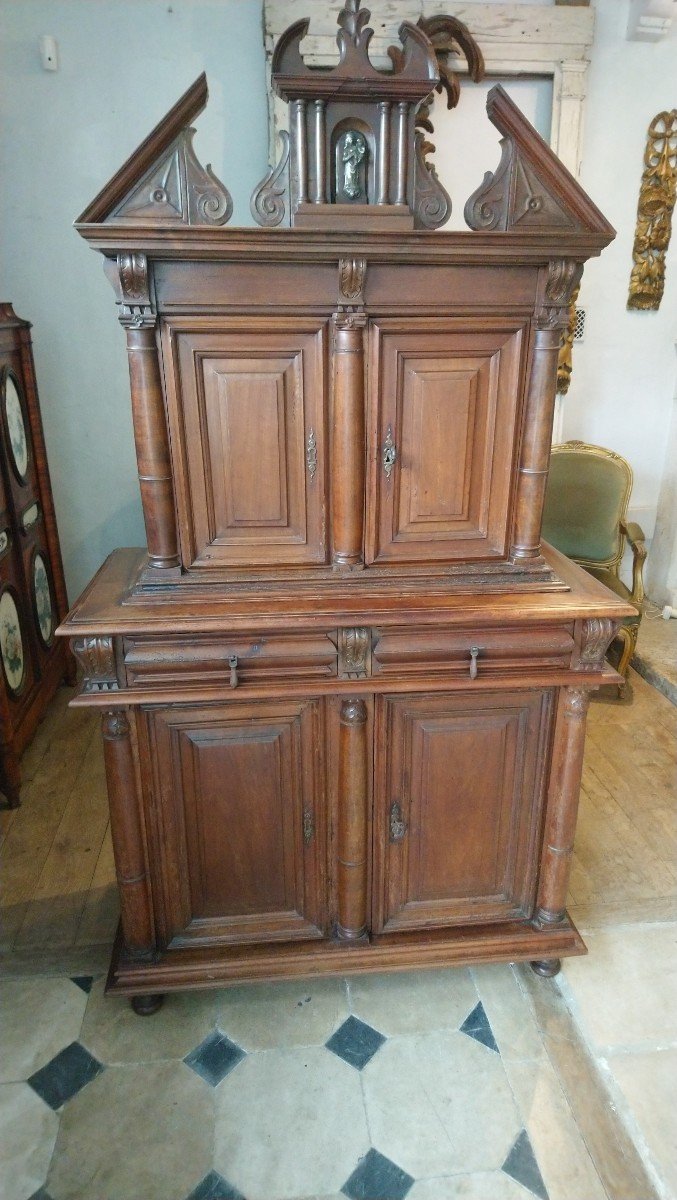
<point>635,535</point>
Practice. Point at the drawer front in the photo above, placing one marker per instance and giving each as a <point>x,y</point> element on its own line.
<point>422,653</point>
<point>228,662</point>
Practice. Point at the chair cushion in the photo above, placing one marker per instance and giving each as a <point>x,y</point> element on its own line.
<point>583,505</point>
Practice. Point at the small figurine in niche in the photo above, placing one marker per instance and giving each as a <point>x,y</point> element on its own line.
<point>351,156</point>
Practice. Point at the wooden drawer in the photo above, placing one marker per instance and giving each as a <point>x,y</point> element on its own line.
<point>422,653</point>
<point>190,662</point>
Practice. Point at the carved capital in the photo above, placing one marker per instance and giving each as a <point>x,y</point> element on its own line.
<point>343,320</point>
<point>562,281</point>
<point>576,702</point>
<point>354,653</point>
<point>352,275</point>
<point>598,632</point>
<point>115,725</point>
<point>353,712</point>
<point>96,657</point>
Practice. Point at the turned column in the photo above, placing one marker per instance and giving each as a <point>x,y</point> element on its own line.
<point>130,277</point>
<point>347,448</point>
<point>127,836</point>
<point>551,319</point>
<point>560,820</point>
<point>352,821</point>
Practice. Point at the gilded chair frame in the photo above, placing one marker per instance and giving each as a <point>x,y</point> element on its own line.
<point>628,531</point>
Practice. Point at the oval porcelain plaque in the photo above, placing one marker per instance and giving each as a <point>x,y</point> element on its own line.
<point>44,610</point>
<point>16,427</point>
<point>11,642</point>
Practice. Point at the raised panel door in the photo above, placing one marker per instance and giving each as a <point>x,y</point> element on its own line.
<point>444,406</point>
<point>235,808</point>
<point>247,423</point>
<point>460,791</point>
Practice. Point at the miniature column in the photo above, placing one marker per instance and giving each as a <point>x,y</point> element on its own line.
<point>126,833</point>
<point>352,822</point>
<point>348,453</point>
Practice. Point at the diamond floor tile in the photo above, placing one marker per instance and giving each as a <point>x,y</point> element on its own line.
<point>355,1042</point>
<point>66,1075</point>
<point>215,1187</point>
<point>84,982</point>
<point>377,1178</point>
<point>521,1165</point>
<point>214,1058</point>
<point>477,1026</point>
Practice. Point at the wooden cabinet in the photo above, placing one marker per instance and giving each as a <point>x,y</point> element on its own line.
<point>343,690</point>
<point>32,590</point>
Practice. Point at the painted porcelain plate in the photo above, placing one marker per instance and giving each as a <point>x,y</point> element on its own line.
<point>16,427</point>
<point>11,642</point>
<point>44,610</point>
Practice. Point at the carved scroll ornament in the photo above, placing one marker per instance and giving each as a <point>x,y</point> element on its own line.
<point>178,189</point>
<point>657,196</point>
<point>565,358</point>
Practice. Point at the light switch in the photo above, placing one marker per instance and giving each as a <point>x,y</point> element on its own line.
<point>49,52</point>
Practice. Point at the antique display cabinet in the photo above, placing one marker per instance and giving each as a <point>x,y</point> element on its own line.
<point>32,588</point>
<point>344,688</point>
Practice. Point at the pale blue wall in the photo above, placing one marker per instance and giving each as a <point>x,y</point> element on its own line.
<point>122,65</point>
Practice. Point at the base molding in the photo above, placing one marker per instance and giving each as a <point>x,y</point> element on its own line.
<point>196,967</point>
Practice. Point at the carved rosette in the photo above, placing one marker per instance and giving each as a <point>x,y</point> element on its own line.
<point>96,658</point>
<point>598,633</point>
<point>562,281</point>
<point>354,653</point>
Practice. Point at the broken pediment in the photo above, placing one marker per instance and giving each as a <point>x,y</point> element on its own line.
<point>531,189</point>
<point>163,181</point>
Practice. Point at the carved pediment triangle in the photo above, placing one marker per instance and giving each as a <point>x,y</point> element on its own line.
<point>178,189</point>
<point>163,181</point>
<point>530,188</point>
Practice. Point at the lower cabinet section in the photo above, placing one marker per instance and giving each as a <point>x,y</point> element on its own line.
<point>261,826</point>
<point>459,797</point>
<point>235,813</point>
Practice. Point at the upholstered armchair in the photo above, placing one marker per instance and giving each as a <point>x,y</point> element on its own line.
<point>585,517</point>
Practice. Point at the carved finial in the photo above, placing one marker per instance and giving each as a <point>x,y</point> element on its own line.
<point>352,20</point>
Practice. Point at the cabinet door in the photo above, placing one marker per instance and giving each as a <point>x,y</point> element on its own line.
<point>235,810</point>
<point>444,405</point>
<point>247,423</point>
<point>461,782</point>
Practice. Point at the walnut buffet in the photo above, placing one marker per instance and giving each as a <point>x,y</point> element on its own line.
<point>344,690</point>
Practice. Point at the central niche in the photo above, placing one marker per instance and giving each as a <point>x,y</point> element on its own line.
<point>352,162</point>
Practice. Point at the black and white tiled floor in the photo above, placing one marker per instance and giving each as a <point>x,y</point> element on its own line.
<point>430,1085</point>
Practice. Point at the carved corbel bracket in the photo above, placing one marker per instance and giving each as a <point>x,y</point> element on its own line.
<point>96,657</point>
<point>352,277</point>
<point>354,653</point>
<point>596,637</point>
<point>130,277</point>
<point>554,303</point>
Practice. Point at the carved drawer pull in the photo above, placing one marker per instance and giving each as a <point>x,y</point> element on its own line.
<point>232,663</point>
<point>398,825</point>
<point>389,454</point>
<point>474,651</point>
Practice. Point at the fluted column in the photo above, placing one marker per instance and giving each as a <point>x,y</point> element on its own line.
<point>352,821</point>
<point>127,836</point>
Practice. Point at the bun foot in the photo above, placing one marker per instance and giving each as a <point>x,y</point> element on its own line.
<point>145,1006</point>
<point>546,967</point>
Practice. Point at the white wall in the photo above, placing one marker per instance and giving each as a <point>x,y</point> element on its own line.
<point>123,63</point>
<point>624,372</point>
